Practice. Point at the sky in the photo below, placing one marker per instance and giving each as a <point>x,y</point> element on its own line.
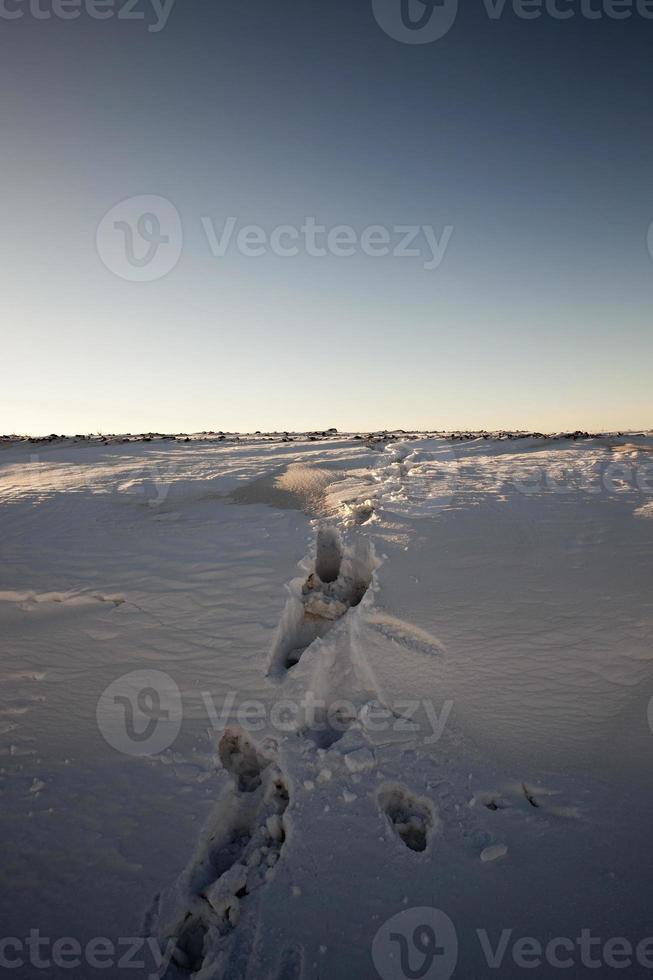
<point>511,158</point>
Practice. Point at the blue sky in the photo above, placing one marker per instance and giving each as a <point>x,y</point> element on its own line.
<point>530,139</point>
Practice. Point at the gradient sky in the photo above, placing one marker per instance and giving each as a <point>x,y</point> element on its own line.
<point>533,139</point>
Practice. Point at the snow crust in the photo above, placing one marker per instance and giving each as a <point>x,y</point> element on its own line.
<point>414,672</point>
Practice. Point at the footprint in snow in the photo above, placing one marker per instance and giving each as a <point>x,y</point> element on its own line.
<point>410,817</point>
<point>339,580</point>
<point>237,855</point>
<point>291,964</point>
<point>327,728</point>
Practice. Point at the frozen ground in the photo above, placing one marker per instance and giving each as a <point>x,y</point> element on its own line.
<point>443,706</point>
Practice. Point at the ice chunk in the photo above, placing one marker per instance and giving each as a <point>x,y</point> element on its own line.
<point>360,760</point>
<point>493,852</point>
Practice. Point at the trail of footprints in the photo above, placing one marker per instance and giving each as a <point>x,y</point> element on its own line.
<point>239,852</point>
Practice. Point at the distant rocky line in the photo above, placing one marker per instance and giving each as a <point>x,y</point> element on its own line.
<point>377,437</point>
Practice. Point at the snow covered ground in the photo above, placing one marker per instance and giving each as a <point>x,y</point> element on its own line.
<point>349,708</point>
